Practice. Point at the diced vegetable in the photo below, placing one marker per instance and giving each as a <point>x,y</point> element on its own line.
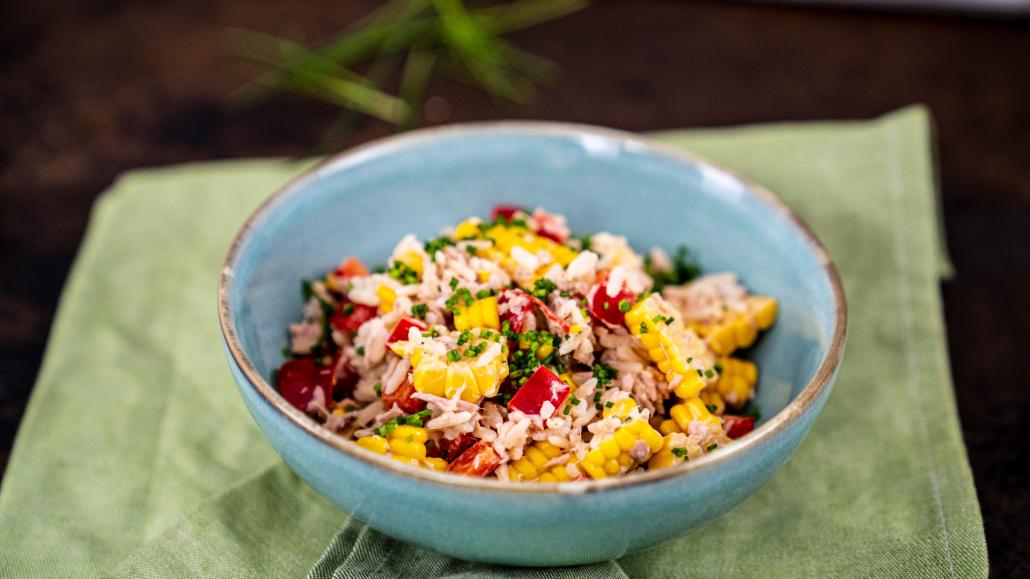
<point>632,444</point>
<point>533,464</point>
<point>349,316</point>
<point>611,309</point>
<point>404,443</point>
<point>402,397</point>
<point>299,380</point>
<point>452,449</point>
<point>543,386</point>
<point>506,211</point>
<point>401,330</point>
<point>737,426</point>
<point>350,267</point>
<point>481,313</point>
<point>663,336</point>
<point>480,459</point>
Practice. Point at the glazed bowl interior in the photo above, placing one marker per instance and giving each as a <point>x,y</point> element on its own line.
<point>361,204</point>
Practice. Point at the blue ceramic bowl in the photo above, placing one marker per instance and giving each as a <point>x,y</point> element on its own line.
<point>361,202</point>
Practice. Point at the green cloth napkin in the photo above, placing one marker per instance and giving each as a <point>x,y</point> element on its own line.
<point>137,458</point>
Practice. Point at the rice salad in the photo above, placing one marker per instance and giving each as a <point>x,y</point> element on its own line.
<point>511,349</point>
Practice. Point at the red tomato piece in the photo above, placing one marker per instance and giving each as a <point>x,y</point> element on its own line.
<point>350,267</point>
<point>345,377</point>
<point>737,426</point>
<point>400,331</point>
<point>349,316</point>
<point>605,307</point>
<point>504,210</point>
<point>452,449</point>
<point>402,397</point>
<point>543,386</point>
<point>480,459</point>
<point>300,379</point>
<point>550,226</point>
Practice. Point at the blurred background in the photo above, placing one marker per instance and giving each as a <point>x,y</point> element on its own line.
<point>93,88</point>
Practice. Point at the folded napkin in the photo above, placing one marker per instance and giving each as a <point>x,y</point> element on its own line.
<point>137,458</point>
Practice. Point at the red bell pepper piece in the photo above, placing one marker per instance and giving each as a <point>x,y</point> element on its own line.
<point>402,397</point>
<point>300,379</point>
<point>542,386</point>
<point>480,459</point>
<point>400,331</point>
<point>349,316</point>
<point>605,307</point>
<point>504,210</point>
<point>737,426</point>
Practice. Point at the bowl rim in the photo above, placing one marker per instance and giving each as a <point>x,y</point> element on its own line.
<point>384,146</point>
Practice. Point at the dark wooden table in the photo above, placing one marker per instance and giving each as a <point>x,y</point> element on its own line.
<point>89,91</point>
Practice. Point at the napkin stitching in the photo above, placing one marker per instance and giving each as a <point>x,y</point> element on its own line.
<point>894,188</point>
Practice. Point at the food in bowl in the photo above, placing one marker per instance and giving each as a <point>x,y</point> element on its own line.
<point>509,348</point>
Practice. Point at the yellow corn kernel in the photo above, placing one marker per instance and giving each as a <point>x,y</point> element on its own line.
<point>508,237</point>
<point>666,457</point>
<point>412,259</point>
<point>376,444</point>
<point>407,440</point>
<point>575,329</point>
<point>763,311</point>
<point>467,229</point>
<point>544,351</point>
<point>484,276</point>
<point>736,381</point>
<point>558,473</point>
<point>668,426</point>
<point>434,375</point>
<point>435,463</point>
<point>531,465</point>
<point>741,329</point>
<point>386,298</point>
<point>663,343</point>
<point>722,339</point>
<point>620,409</point>
<point>690,410</point>
<point>612,456</point>
<point>481,313</point>
<point>713,401</point>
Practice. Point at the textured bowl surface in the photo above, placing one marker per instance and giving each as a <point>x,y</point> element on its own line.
<point>361,202</point>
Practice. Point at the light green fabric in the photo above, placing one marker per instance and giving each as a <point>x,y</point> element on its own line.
<point>137,458</point>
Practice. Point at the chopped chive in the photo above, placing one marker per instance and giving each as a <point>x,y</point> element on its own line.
<point>712,447</point>
<point>420,311</point>
<point>624,306</point>
<point>378,388</point>
<point>360,350</point>
<point>679,451</point>
<point>453,283</point>
<point>643,328</point>
<point>454,355</point>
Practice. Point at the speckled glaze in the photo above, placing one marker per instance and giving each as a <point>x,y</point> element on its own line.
<point>362,201</point>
